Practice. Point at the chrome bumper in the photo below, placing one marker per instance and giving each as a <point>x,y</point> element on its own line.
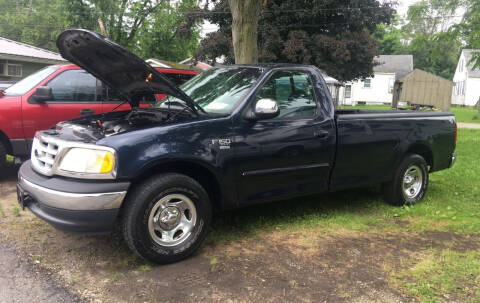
<point>72,201</point>
<point>452,160</point>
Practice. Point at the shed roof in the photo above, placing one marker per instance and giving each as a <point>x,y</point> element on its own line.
<point>472,72</point>
<point>21,51</point>
<point>401,65</point>
<point>424,75</point>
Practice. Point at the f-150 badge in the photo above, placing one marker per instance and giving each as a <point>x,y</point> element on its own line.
<point>222,143</point>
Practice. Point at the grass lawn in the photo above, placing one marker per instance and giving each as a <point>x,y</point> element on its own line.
<point>452,204</point>
<point>464,114</point>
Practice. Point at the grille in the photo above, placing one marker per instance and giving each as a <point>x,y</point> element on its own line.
<point>44,152</point>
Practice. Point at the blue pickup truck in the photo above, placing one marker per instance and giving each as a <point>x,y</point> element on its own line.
<point>228,138</point>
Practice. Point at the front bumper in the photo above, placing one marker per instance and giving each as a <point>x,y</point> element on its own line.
<point>71,205</point>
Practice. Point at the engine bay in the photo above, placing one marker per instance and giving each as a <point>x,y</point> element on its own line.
<point>93,128</point>
<point>138,117</point>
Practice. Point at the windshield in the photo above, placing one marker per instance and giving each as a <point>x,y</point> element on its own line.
<point>24,85</point>
<point>218,90</point>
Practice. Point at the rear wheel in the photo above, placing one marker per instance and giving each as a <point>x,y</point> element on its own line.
<point>410,182</point>
<point>166,218</point>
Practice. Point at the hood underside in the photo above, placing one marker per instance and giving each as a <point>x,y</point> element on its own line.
<point>115,66</point>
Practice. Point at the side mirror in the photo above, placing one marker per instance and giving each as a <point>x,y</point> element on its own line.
<point>42,94</point>
<point>266,109</point>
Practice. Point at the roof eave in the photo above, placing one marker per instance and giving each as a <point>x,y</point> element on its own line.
<point>31,59</point>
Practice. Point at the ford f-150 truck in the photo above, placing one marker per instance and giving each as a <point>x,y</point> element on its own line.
<point>58,93</point>
<point>229,137</point>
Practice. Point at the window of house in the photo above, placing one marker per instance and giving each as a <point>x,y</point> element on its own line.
<point>2,68</point>
<point>74,85</point>
<point>14,70</point>
<point>294,93</point>
<point>348,91</point>
<point>367,83</point>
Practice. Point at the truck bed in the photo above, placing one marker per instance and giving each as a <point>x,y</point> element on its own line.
<point>381,113</point>
<point>371,143</point>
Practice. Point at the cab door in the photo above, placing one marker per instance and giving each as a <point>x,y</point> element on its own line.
<point>73,96</point>
<point>288,155</point>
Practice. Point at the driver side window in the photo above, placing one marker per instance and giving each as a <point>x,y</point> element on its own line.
<point>293,92</point>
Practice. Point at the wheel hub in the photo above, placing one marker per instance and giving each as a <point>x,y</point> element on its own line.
<point>169,218</point>
<point>412,182</point>
<point>172,219</point>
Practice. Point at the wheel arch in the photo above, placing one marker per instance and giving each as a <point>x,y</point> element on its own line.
<point>195,170</point>
<point>6,142</point>
<point>424,151</point>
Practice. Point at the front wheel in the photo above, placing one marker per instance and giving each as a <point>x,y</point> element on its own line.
<point>3,156</point>
<point>410,182</point>
<point>166,218</point>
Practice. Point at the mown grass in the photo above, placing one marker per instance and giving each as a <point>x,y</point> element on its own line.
<point>451,204</point>
<point>443,276</point>
<point>465,114</point>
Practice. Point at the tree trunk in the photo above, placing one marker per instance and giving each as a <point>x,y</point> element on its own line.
<point>245,14</point>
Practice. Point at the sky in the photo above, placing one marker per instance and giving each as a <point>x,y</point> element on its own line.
<point>403,6</point>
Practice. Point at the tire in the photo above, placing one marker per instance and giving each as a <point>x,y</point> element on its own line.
<point>399,192</point>
<point>3,156</point>
<point>166,218</point>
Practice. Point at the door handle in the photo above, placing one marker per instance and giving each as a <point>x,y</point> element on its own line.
<point>322,134</point>
<point>87,111</point>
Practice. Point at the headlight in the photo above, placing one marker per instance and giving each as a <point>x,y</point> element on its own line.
<point>88,161</point>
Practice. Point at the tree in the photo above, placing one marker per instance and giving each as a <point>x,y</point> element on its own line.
<point>245,14</point>
<point>171,33</point>
<point>470,28</point>
<point>40,22</point>
<point>433,37</point>
<point>151,28</point>
<point>333,35</point>
<point>389,37</point>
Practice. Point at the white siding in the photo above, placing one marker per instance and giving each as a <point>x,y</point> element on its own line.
<point>379,92</point>
<point>472,91</point>
<point>459,82</point>
<point>466,89</point>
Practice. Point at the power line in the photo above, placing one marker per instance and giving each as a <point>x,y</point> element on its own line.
<point>226,12</point>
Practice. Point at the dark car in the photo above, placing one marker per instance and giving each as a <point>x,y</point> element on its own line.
<point>229,137</point>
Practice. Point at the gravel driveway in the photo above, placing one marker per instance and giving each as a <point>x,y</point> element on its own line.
<point>21,281</point>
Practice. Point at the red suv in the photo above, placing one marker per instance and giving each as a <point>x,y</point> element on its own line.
<point>57,93</point>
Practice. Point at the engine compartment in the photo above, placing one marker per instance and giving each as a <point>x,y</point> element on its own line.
<point>136,118</point>
<point>93,128</point>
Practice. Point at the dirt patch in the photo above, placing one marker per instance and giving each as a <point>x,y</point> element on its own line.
<point>300,266</point>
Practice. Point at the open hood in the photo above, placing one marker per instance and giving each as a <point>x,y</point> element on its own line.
<point>117,67</point>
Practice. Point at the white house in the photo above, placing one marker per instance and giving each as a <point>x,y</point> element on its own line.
<point>379,88</point>
<point>466,81</point>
